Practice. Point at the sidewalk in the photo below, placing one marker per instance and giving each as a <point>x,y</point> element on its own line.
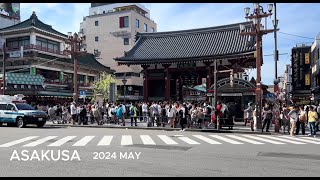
<point>238,128</point>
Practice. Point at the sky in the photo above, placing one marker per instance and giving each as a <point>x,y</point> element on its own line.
<point>300,20</point>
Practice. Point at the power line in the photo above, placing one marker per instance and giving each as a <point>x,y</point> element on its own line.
<point>297,35</point>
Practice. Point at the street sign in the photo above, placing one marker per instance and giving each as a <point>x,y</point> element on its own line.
<point>82,94</point>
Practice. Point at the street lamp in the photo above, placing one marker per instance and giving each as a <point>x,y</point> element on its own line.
<point>75,41</point>
<point>124,81</point>
<point>258,31</point>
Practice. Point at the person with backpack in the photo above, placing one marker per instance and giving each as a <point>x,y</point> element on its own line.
<point>302,120</point>
<point>133,113</point>
<point>267,117</point>
<point>119,113</point>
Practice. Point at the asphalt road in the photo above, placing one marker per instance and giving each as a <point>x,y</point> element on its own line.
<point>132,152</point>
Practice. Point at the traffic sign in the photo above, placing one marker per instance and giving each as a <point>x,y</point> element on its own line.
<point>82,94</point>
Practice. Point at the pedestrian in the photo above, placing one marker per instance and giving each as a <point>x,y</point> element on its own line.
<point>51,113</point>
<point>133,113</point>
<point>171,115</point>
<point>267,116</point>
<point>83,116</point>
<point>144,111</point>
<point>318,121</point>
<point>285,119</point>
<point>249,112</point>
<point>312,117</point>
<point>73,111</point>
<point>182,116</point>
<point>194,115</point>
<point>124,114</point>
<point>96,114</point>
<point>293,119</point>
<point>302,120</point>
<point>119,113</point>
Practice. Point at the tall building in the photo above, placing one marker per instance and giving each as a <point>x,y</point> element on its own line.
<point>9,15</point>
<point>110,31</point>
<point>315,74</point>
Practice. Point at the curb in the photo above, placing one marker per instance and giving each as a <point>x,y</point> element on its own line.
<point>161,128</point>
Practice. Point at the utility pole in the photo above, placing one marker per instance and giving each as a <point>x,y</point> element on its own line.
<point>4,68</point>
<point>215,91</point>
<point>276,81</point>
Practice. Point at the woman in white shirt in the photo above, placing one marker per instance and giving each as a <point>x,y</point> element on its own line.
<point>302,120</point>
<point>171,115</point>
<point>293,119</point>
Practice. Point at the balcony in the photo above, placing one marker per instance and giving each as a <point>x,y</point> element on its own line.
<point>39,48</point>
<point>51,82</point>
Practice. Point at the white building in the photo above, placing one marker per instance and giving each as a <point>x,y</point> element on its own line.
<point>110,31</point>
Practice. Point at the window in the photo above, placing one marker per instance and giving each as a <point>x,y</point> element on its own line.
<point>96,38</point>
<point>10,106</point>
<point>152,29</point>
<point>16,43</point>
<point>126,41</point>
<point>51,46</point>
<point>145,27</point>
<point>124,21</point>
<point>96,23</point>
<point>137,23</point>
<point>3,106</point>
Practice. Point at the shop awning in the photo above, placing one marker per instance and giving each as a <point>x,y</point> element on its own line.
<point>25,79</point>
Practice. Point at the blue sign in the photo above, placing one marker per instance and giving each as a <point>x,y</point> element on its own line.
<point>270,95</point>
<point>82,93</point>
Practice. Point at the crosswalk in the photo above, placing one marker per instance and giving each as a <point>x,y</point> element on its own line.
<point>127,140</point>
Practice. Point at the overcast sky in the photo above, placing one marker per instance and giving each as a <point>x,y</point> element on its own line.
<point>294,18</point>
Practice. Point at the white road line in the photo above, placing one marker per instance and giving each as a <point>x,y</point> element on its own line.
<point>62,141</point>
<point>126,140</point>
<point>283,140</point>
<point>263,139</point>
<point>105,141</point>
<point>146,139</point>
<point>40,141</point>
<point>244,139</point>
<point>299,139</point>
<point>311,138</point>
<point>208,140</point>
<point>188,140</point>
<point>83,141</point>
<point>166,139</point>
<point>18,141</point>
<point>225,139</point>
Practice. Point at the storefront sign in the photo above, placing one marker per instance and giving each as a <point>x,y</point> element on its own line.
<point>306,58</point>
<point>307,79</point>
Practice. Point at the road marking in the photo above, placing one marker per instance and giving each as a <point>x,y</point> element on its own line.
<point>18,141</point>
<point>188,140</point>
<point>166,139</point>
<point>263,139</point>
<point>302,140</point>
<point>146,139</point>
<point>225,139</point>
<point>105,141</point>
<point>208,140</point>
<point>126,140</point>
<point>244,139</point>
<point>62,141</point>
<point>311,138</point>
<point>279,139</point>
<point>83,141</point>
<point>40,141</point>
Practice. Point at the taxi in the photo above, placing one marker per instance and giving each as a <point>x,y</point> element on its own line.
<point>16,112</point>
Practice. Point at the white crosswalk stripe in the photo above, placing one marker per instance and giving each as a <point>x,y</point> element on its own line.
<point>263,139</point>
<point>126,140</point>
<point>40,141</point>
<point>188,140</point>
<point>84,141</point>
<point>18,141</point>
<point>311,138</point>
<point>147,140</point>
<point>166,139</point>
<point>302,140</point>
<point>279,139</point>
<point>62,141</point>
<point>208,140</point>
<point>244,139</point>
<point>105,141</point>
<point>225,139</point>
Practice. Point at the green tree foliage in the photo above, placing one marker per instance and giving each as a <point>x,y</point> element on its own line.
<point>102,86</point>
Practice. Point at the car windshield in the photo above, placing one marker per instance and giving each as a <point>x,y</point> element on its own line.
<point>24,107</point>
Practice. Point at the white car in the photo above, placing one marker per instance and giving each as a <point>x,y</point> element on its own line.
<point>20,114</point>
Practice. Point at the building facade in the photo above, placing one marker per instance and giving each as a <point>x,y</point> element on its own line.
<point>9,14</point>
<point>110,31</point>
<point>315,74</point>
<point>38,65</point>
<point>301,74</point>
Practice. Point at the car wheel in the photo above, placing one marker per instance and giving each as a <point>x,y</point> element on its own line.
<point>20,122</point>
<point>40,124</point>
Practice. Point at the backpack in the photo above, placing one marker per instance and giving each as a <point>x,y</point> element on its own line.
<point>119,112</point>
<point>208,110</point>
<point>132,111</point>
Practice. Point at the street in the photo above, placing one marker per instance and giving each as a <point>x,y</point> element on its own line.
<point>77,151</point>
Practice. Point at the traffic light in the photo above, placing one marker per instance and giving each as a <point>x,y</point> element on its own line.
<point>231,79</point>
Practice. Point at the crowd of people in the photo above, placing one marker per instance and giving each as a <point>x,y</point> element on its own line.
<point>163,114</point>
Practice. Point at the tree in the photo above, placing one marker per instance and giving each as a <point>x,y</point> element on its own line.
<point>102,85</point>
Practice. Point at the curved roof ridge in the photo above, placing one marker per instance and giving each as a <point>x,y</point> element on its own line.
<point>194,31</point>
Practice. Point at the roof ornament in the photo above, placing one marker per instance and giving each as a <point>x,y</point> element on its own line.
<point>33,20</point>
